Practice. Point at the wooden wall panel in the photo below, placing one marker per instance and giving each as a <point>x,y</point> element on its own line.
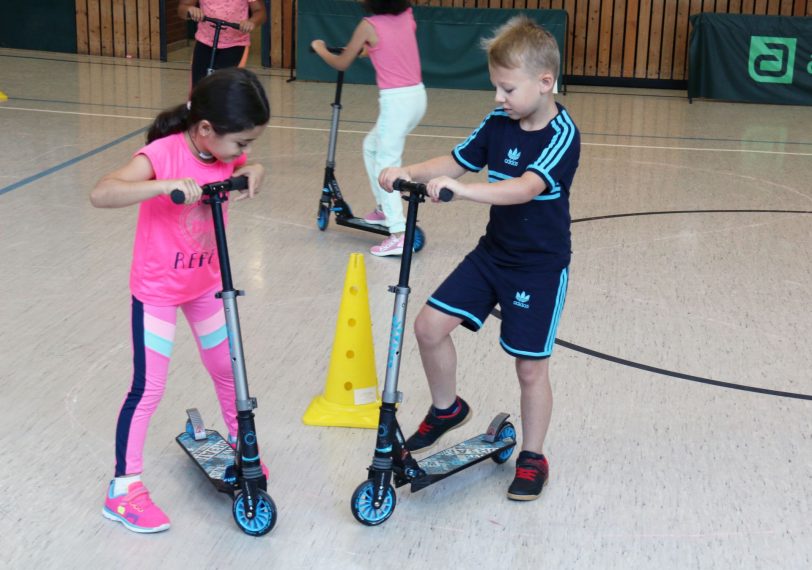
<point>613,39</point>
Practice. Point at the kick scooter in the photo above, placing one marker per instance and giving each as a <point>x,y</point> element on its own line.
<point>232,471</point>
<point>331,198</point>
<point>374,500</point>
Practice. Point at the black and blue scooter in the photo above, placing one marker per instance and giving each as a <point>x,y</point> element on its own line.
<point>374,500</point>
<point>236,472</point>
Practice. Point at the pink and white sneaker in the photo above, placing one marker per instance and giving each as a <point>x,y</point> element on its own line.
<point>135,509</point>
<point>376,216</point>
<point>393,245</point>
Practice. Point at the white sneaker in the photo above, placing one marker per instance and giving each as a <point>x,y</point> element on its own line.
<point>393,245</point>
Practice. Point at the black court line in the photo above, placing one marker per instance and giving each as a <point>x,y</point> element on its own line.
<point>662,371</point>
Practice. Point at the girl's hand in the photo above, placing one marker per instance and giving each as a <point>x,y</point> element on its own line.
<point>195,14</point>
<point>318,46</point>
<point>436,184</point>
<point>191,189</point>
<point>247,26</point>
<point>388,176</point>
<point>255,174</point>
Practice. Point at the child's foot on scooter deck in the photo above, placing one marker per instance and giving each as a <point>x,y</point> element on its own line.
<point>135,509</point>
<point>436,423</point>
<point>376,216</point>
<point>532,471</point>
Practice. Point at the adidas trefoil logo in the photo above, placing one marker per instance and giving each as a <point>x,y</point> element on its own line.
<point>513,157</point>
<point>522,300</point>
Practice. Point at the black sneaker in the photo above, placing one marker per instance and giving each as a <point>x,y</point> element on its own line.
<point>532,471</point>
<point>434,426</point>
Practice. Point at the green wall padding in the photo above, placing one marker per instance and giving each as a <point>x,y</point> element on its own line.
<point>448,39</point>
<point>47,25</point>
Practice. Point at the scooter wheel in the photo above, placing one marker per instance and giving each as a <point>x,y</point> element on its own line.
<point>364,511</point>
<point>419,239</point>
<point>507,431</point>
<point>264,515</point>
<point>324,216</point>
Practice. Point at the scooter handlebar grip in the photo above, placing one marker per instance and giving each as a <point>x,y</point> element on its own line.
<point>177,196</point>
<point>446,195</point>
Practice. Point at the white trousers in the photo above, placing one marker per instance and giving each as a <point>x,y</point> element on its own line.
<point>401,109</point>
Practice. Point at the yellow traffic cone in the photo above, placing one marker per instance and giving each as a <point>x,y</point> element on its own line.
<point>350,396</point>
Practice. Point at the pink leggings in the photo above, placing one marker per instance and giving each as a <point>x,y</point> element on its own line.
<point>153,337</point>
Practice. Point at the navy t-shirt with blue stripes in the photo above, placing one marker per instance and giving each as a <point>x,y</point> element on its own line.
<point>536,233</point>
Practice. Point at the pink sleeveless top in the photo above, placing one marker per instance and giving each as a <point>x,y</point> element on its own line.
<point>230,11</point>
<point>395,57</point>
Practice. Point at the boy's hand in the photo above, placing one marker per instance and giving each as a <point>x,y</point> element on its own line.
<point>436,184</point>
<point>388,176</point>
<point>255,174</point>
<point>246,26</point>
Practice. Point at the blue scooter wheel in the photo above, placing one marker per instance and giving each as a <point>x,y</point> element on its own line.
<point>364,511</point>
<point>507,431</point>
<point>264,515</point>
<point>323,218</point>
<point>419,239</point>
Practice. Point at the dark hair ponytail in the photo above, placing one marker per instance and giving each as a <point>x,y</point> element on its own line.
<point>232,100</point>
<point>393,7</point>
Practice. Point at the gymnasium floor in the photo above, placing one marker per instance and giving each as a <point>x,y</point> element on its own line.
<point>691,264</point>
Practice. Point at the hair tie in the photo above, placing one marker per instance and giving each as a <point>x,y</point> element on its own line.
<point>188,105</point>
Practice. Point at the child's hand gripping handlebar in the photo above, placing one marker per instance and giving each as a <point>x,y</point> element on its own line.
<point>213,188</point>
<point>401,185</point>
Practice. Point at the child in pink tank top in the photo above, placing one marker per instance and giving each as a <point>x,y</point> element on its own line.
<point>175,263</point>
<point>388,36</point>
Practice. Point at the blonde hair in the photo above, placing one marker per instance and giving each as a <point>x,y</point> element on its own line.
<point>521,42</point>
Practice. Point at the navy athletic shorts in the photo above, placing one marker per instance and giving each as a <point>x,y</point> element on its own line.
<point>531,300</point>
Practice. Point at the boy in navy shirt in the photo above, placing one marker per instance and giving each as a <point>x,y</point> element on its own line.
<point>531,148</point>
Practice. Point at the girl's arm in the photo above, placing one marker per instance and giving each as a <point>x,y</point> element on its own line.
<point>364,33</point>
<point>189,9</point>
<point>134,182</point>
<point>257,16</point>
<point>503,193</point>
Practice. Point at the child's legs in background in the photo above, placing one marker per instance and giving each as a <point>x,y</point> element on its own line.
<point>401,110</point>
<point>208,321</point>
<point>537,402</point>
<point>153,335</point>
<point>225,57</point>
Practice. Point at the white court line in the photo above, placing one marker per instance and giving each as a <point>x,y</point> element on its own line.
<point>609,145</point>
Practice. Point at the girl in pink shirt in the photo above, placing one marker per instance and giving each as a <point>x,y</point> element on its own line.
<point>388,37</point>
<point>232,45</point>
<point>175,263</point>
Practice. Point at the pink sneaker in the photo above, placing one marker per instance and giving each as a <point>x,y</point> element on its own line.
<point>375,217</point>
<point>393,245</point>
<point>135,510</point>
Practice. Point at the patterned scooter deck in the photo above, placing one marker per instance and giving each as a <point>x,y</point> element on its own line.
<point>447,462</point>
<point>214,456</point>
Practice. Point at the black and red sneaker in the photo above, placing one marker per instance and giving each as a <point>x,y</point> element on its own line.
<point>434,425</point>
<point>532,471</point>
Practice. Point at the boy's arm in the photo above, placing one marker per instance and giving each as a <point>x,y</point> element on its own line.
<point>503,193</point>
<point>363,33</point>
<point>421,172</point>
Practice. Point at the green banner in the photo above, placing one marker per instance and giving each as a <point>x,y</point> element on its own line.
<point>759,59</point>
<point>450,55</point>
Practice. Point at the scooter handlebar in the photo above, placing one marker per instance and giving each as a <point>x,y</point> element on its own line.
<point>213,188</point>
<point>401,185</point>
<point>221,23</point>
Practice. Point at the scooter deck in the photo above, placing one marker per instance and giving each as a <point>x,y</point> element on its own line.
<point>214,456</point>
<point>359,223</point>
<point>458,457</point>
